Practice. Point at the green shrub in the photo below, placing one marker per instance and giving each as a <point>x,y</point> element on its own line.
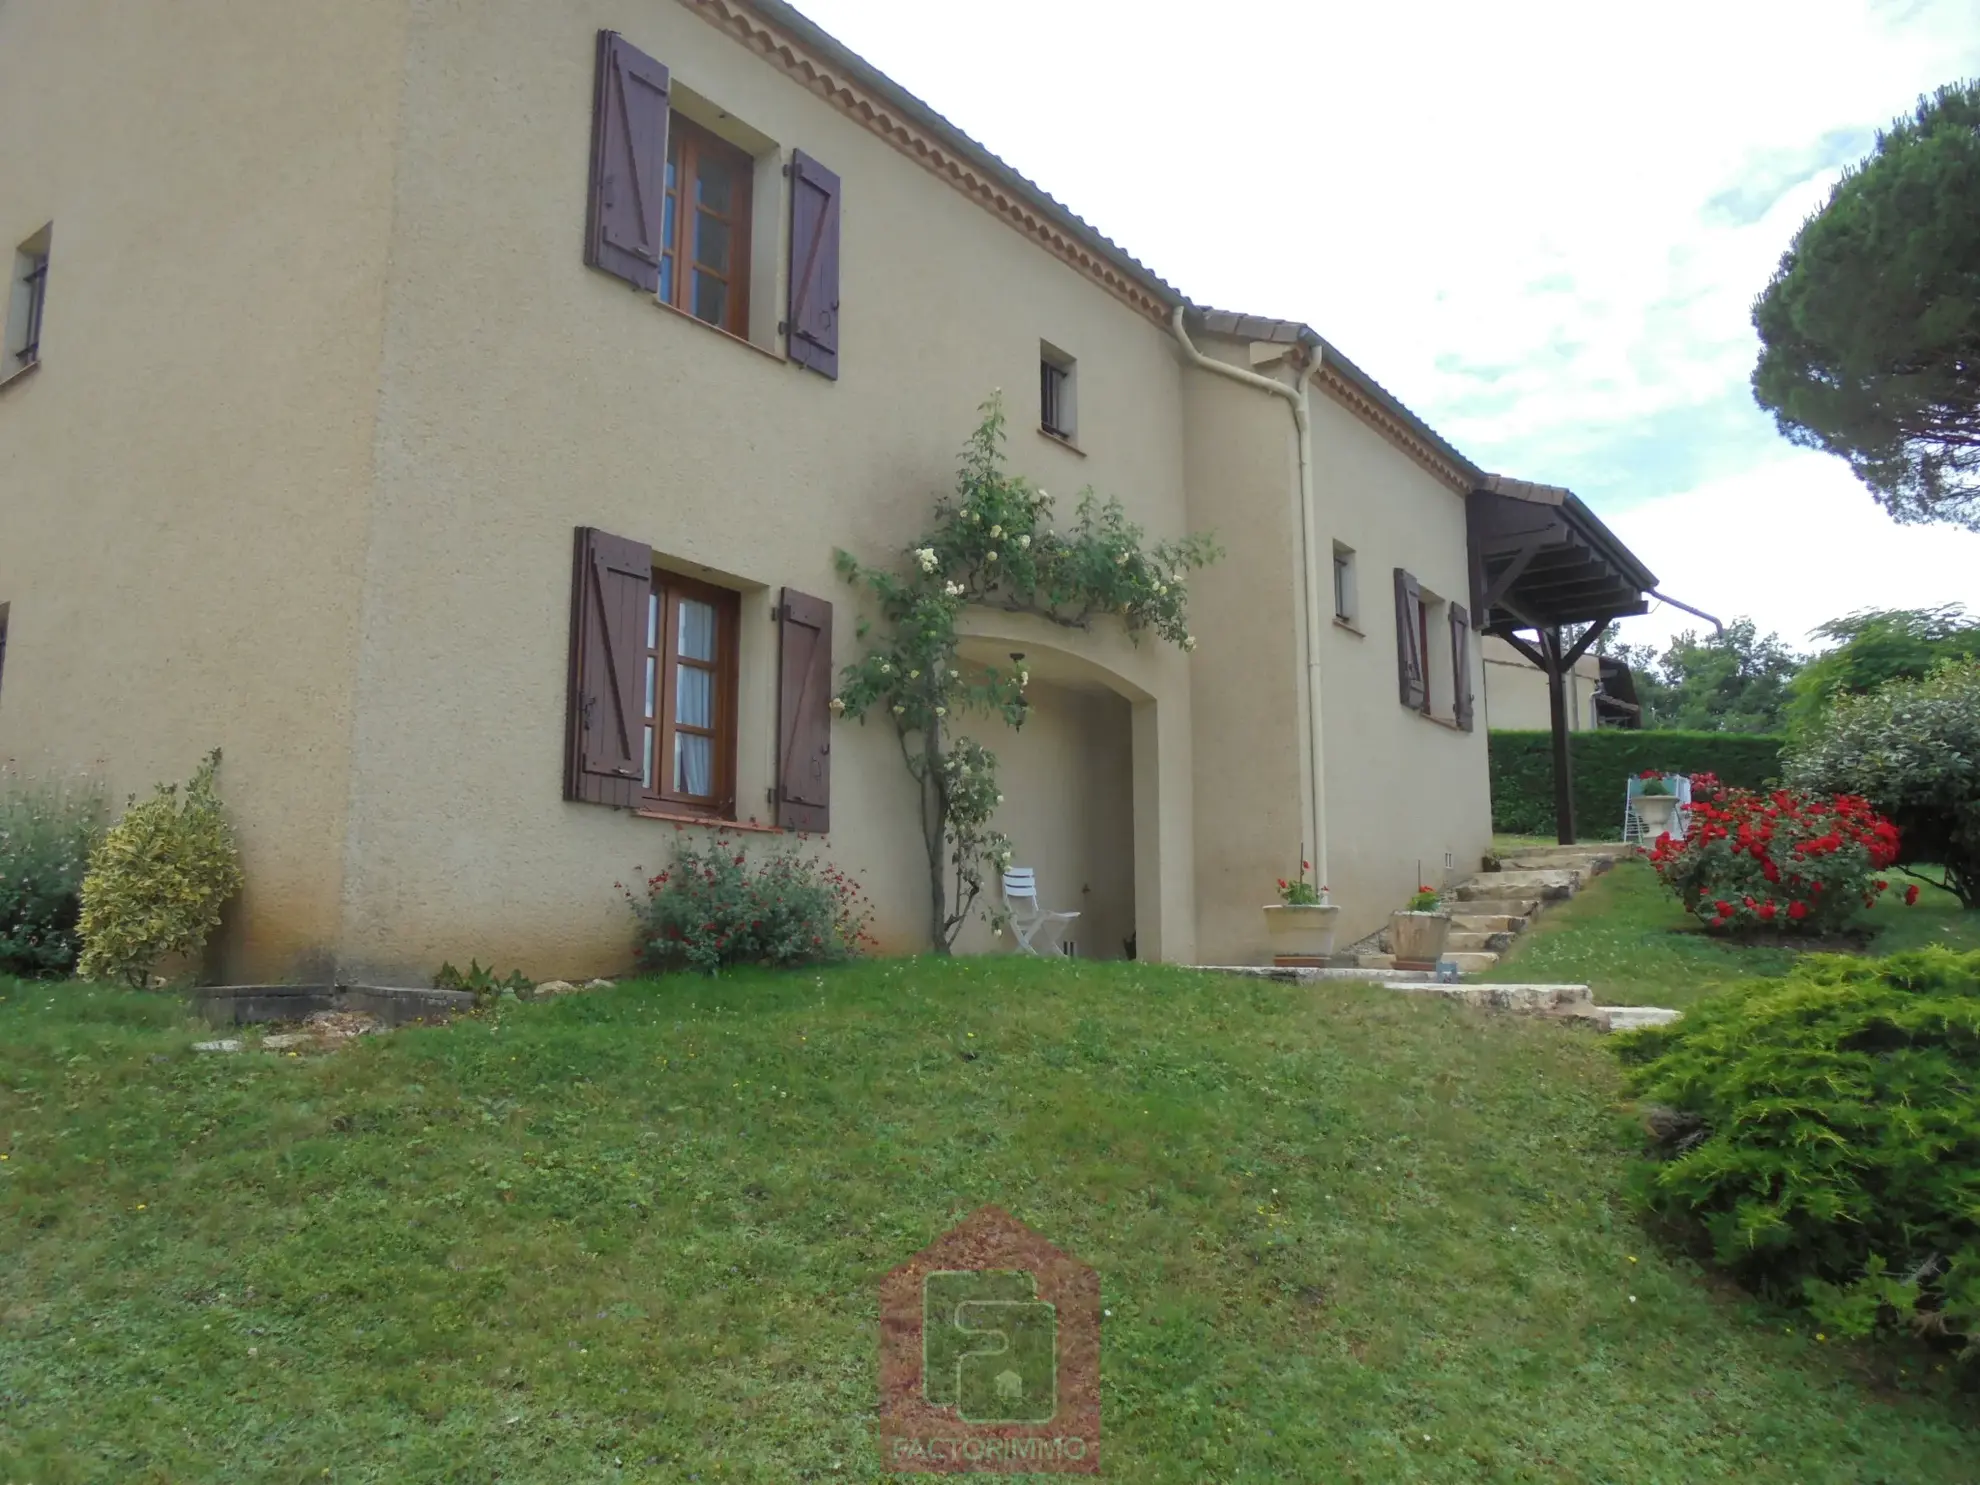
<point>157,880</point>
<point>483,984</point>
<point>47,828</point>
<point>1604,762</point>
<point>1824,1132</point>
<point>714,907</point>
<point>1912,749</point>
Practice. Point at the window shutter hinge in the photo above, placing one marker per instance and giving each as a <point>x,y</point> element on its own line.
<point>770,794</point>
<point>783,327</point>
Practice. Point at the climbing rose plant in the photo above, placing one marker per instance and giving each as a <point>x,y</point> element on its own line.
<point>1798,863</point>
<point>993,545</point>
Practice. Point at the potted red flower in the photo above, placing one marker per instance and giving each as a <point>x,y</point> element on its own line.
<point>1300,925</point>
<point>1418,932</point>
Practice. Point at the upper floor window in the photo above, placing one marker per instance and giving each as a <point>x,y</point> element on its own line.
<point>1058,409</point>
<point>704,261</point>
<point>25,303</point>
<point>1343,584</point>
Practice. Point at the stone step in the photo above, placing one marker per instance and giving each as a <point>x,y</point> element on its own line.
<point>1620,1017</point>
<point>1375,961</point>
<point>1475,941</point>
<point>1551,886</point>
<point>1469,962</point>
<point>1563,855</point>
<point>1487,922</point>
<point>1591,865</point>
<point>1517,908</point>
<point>1554,999</point>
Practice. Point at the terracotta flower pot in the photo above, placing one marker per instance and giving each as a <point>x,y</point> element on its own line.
<point>1301,934</point>
<point>1417,939</point>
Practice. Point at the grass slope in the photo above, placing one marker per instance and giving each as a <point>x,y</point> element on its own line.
<point>635,1236</point>
<point>1630,942</point>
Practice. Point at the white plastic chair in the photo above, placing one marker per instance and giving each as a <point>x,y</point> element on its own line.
<point>1035,927</point>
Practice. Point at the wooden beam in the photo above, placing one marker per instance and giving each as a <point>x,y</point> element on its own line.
<point>1550,640</point>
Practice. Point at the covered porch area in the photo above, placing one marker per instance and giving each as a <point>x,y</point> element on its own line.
<point>1543,564</point>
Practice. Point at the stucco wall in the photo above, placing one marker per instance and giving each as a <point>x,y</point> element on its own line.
<point>1402,788</point>
<point>1516,690</point>
<point>522,394</point>
<point>1247,696</point>
<point>183,480</point>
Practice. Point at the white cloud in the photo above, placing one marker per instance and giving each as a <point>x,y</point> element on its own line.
<point>1541,223</point>
<point>1791,544</point>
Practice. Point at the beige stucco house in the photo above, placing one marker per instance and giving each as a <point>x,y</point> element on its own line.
<point>354,325</point>
<point>1515,696</point>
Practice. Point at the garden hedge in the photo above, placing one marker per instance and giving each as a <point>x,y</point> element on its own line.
<point>1604,760</point>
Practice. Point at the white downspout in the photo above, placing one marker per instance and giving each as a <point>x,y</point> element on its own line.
<point>1296,397</point>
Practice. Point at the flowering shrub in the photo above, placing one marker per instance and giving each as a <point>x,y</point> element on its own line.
<point>715,907</point>
<point>157,880</point>
<point>1426,899</point>
<point>1299,892</point>
<point>1913,749</point>
<point>1782,860</point>
<point>46,830</point>
<point>993,544</point>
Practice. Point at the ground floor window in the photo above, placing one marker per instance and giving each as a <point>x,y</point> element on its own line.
<point>688,748</point>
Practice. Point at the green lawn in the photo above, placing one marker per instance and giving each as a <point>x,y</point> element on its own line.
<point>1346,1236</point>
<point>1627,939</point>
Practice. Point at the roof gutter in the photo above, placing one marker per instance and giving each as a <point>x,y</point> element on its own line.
<point>1295,396</point>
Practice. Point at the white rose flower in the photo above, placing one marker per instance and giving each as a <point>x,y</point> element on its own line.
<point>996,531</point>
<point>941,711</point>
<point>1160,589</point>
<point>1179,574</point>
<point>1000,799</point>
<point>837,706</point>
<point>914,675</point>
<point>926,557</point>
<point>955,675</point>
<point>885,668</point>
<point>1023,542</point>
<point>1024,679</point>
<point>990,557</point>
<point>1189,641</point>
<point>1122,559</point>
<point>899,710</point>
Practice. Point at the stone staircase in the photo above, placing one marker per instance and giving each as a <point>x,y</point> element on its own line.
<point>1488,911</point>
<point>1491,909</point>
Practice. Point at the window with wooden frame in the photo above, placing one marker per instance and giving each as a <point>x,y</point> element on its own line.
<point>704,259</point>
<point>652,718</point>
<point>688,749</point>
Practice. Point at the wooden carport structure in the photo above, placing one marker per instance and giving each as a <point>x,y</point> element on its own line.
<point>1542,561</point>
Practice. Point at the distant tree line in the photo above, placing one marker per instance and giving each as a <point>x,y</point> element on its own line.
<point>1744,681</point>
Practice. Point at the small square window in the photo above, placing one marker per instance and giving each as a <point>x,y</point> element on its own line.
<point>1058,407</point>
<point>28,292</point>
<point>1343,583</point>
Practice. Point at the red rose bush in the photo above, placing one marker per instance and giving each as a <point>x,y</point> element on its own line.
<point>1799,863</point>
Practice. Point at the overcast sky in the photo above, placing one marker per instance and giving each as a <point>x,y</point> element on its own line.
<point>1541,223</point>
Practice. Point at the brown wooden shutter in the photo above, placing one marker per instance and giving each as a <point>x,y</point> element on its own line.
<point>628,163</point>
<point>611,582</point>
<point>804,713</point>
<point>1461,665</point>
<point>813,327</point>
<point>1409,642</point>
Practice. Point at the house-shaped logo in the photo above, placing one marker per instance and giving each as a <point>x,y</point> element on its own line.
<point>990,1355</point>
